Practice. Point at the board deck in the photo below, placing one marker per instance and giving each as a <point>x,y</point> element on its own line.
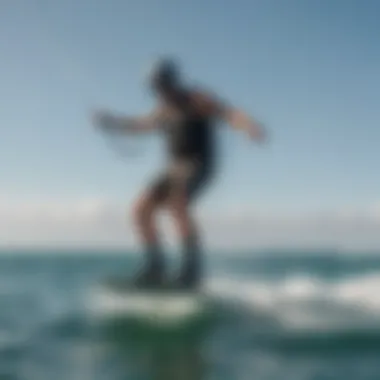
<point>165,305</point>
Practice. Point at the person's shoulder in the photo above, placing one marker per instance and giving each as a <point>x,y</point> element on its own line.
<point>202,96</point>
<point>207,99</point>
<point>200,92</point>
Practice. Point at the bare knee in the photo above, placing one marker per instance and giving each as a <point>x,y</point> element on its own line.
<point>143,211</point>
<point>180,213</point>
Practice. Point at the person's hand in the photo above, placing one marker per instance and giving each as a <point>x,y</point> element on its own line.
<point>258,134</point>
<point>103,119</point>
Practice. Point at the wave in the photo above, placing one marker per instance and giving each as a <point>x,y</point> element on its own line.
<point>300,312</point>
<point>303,311</point>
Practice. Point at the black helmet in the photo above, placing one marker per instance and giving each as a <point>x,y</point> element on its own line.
<point>164,73</point>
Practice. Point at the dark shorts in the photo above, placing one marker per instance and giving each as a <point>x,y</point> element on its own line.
<point>189,177</point>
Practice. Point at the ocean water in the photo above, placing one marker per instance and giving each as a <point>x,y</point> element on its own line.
<point>303,316</point>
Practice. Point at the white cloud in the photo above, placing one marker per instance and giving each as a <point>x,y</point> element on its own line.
<point>96,221</point>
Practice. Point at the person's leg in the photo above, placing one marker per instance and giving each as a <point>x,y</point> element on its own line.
<point>190,273</point>
<point>145,211</point>
<point>183,193</point>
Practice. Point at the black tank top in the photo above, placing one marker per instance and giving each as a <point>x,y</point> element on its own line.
<point>190,135</point>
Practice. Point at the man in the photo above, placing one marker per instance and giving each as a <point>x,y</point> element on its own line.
<point>187,116</point>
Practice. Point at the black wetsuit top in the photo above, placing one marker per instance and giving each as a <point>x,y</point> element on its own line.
<point>191,137</point>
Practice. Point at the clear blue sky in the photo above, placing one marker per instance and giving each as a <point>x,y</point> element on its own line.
<point>308,69</point>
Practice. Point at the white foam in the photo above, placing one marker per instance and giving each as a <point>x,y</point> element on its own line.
<point>363,292</point>
<point>302,302</point>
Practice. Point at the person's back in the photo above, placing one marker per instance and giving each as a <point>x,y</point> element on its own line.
<point>190,132</point>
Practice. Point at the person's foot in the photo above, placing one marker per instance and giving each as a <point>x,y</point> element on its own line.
<point>147,279</point>
<point>188,279</point>
<point>151,277</point>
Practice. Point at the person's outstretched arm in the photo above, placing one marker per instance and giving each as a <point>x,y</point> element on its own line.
<point>238,119</point>
<point>235,117</point>
<point>134,125</point>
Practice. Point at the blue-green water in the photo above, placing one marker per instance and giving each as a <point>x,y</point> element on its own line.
<point>303,317</point>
